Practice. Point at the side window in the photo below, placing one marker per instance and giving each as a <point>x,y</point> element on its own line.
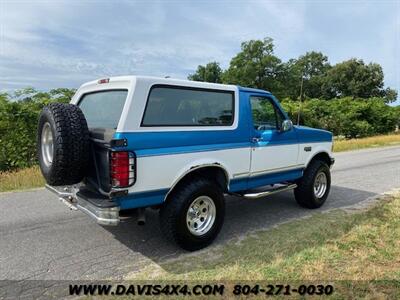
<point>265,115</point>
<point>182,106</point>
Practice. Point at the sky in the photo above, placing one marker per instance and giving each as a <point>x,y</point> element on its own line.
<point>50,44</point>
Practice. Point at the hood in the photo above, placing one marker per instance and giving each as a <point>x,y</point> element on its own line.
<point>308,134</point>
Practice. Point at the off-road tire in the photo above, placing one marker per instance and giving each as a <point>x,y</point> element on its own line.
<point>173,213</point>
<point>71,145</point>
<point>304,193</point>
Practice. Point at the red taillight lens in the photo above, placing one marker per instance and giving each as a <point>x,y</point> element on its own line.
<point>122,169</point>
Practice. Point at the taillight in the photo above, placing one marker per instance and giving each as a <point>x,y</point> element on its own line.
<point>122,169</point>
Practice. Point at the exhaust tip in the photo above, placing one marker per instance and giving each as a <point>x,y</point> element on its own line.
<point>141,217</point>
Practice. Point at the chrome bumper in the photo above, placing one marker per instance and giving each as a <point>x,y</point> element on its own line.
<point>103,215</point>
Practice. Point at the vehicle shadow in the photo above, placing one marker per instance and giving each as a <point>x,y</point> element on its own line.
<point>242,216</point>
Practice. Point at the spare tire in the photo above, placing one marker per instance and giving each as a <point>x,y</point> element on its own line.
<point>63,145</point>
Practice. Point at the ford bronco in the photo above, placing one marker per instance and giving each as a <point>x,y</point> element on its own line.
<point>178,146</point>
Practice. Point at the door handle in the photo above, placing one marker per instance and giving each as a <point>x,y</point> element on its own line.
<point>256,139</point>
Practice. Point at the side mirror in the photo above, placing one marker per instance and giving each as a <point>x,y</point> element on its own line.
<point>287,125</point>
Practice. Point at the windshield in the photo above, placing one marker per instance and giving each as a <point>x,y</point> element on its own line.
<point>103,109</point>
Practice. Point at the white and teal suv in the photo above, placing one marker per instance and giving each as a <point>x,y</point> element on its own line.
<point>178,146</point>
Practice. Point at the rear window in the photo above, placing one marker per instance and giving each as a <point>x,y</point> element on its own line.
<point>103,109</point>
<point>181,106</point>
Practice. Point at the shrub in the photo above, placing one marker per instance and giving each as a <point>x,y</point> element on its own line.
<point>347,117</point>
<point>18,122</point>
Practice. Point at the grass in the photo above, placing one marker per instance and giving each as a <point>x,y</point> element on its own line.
<point>21,179</point>
<point>368,142</point>
<point>358,252</point>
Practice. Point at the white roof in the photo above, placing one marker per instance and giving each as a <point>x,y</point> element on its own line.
<point>160,80</point>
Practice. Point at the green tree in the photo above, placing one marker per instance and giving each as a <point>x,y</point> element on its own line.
<point>211,72</point>
<point>256,66</point>
<point>63,95</point>
<point>18,121</point>
<point>390,95</point>
<point>353,78</point>
<point>346,116</point>
<point>312,68</point>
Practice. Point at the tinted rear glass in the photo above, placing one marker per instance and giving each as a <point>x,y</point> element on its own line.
<point>103,109</point>
<point>180,106</point>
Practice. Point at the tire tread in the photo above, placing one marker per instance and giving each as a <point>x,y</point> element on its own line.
<point>171,210</point>
<point>304,193</point>
<point>71,144</point>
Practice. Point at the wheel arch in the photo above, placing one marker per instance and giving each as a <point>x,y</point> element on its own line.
<point>323,156</point>
<point>215,171</point>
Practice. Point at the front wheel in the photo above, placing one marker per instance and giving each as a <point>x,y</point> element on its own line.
<point>193,214</point>
<point>313,188</point>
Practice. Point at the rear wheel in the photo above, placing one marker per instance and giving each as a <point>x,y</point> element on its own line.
<point>193,215</point>
<point>313,188</point>
<point>63,147</point>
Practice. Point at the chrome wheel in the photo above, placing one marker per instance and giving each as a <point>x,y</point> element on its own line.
<point>47,144</point>
<point>320,185</point>
<point>200,216</point>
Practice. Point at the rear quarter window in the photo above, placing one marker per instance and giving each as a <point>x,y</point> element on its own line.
<point>183,106</point>
<point>103,109</point>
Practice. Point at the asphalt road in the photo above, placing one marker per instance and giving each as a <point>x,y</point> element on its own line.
<point>41,239</point>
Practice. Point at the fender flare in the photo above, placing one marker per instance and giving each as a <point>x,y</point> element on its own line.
<point>319,153</point>
<point>195,168</point>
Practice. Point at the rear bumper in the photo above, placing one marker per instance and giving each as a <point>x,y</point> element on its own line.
<point>100,208</point>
